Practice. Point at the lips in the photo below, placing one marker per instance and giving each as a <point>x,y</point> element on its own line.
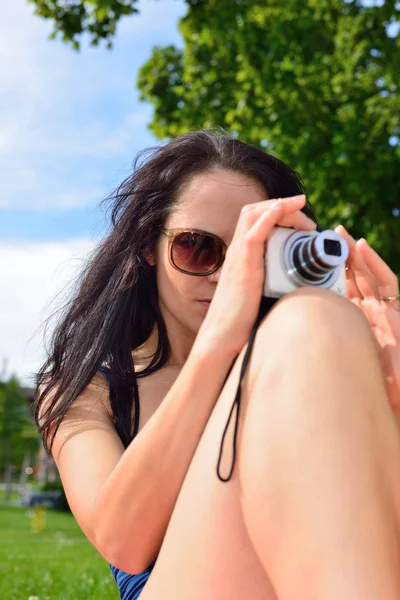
<point>205,302</point>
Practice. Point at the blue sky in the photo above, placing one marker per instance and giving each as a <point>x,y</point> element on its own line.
<point>71,122</point>
<point>71,125</point>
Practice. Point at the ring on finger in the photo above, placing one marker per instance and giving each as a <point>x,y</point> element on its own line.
<point>390,298</point>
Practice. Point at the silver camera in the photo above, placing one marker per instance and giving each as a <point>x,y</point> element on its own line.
<point>296,259</point>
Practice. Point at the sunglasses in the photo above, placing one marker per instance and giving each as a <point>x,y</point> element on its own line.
<point>194,252</point>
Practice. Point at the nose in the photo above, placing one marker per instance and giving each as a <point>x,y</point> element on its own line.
<point>214,277</point>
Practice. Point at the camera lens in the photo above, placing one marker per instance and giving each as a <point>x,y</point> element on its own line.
<point>332,247</point>
<point>313,258</point>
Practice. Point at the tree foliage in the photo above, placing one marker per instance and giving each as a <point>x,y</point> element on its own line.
<point>71,18</point>
<point>314,82</point>
<point>17,427</point>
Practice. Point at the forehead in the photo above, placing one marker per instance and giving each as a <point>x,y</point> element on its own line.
<point>212,201</point>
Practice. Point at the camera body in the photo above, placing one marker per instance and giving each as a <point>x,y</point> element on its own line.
<point>295,259</point>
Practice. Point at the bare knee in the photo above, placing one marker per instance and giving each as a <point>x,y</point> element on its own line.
<point>315,320</point>
<point>308,314</point>
<point>316,363</point>
<point>306,305</point>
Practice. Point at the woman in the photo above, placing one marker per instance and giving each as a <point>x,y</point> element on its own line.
<point>311,508</point>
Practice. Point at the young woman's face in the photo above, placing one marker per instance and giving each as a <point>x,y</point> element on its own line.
<point>212,202</point>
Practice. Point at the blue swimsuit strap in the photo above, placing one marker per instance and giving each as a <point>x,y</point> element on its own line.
<point>105,374</point>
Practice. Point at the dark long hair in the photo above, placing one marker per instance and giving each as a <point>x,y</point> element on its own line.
<point>115,306</point>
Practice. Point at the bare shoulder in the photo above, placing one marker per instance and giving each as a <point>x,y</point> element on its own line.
<point>90,411</point>
<point>86,450</point>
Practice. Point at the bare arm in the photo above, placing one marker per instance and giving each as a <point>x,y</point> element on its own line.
<point>123,500</point>
<point>135,504</point>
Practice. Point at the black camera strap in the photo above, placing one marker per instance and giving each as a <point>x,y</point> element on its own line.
<point>265,305</point>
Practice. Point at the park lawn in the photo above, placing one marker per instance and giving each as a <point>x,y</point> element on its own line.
<point>58,563</point>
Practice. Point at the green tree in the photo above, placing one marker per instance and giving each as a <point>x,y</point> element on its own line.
<point>314,82</point>
<point>71,18</point>
<point>17,428</point>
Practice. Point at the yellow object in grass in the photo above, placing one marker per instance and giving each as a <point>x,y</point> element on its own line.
<point>38,521</point>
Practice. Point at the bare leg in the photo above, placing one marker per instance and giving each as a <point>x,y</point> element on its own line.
<point>319,455</point>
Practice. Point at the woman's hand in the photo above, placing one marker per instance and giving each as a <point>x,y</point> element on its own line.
<point>369,277</point>
<point>234,307</point>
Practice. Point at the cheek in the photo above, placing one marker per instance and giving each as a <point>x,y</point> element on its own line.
<point>177,294</point>
<point>174,287</point>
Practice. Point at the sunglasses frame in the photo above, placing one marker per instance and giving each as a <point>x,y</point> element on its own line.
<point>171,235</point>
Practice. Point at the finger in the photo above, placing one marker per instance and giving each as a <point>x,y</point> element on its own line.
<point>259,231</point>
<point>352,290</point>
<point>299,220</point>
<point>290,216</point>
<point>290,204</point>
<point>351,285</point>
<point>290,200</point>
<point>388,283</point>
<point>266,220</point>
<point>366,282</point>
<point>293,206</point>
<point>251,212</point>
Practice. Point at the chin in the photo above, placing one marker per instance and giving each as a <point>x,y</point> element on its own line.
<point>195,325</point>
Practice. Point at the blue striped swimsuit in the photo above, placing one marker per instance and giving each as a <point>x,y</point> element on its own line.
<point>129,586</point>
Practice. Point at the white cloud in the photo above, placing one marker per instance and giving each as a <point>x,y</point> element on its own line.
<point>36,175</point>
<point>91,139</point>
<point>33,285</point>
<point>54,197</point>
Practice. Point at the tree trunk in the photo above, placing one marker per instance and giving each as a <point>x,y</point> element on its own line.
<point>8,482</point>
<point>23,478</point>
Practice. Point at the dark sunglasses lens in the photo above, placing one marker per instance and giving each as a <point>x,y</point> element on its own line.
<point>196,252</point>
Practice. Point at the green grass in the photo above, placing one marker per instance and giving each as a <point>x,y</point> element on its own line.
<point>58,563</point>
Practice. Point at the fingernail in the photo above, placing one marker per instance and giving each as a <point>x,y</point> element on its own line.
<point>298,197</point>
<point>277,205</point>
